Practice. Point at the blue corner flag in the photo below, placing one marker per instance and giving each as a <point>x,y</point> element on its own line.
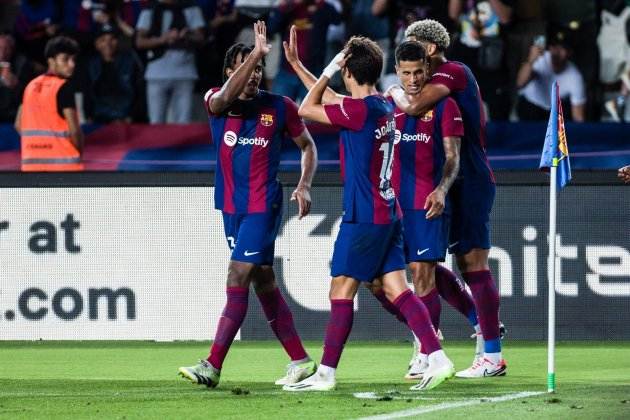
<point>555,151</point>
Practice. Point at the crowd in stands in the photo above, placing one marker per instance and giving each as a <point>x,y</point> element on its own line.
<point>151,61</point>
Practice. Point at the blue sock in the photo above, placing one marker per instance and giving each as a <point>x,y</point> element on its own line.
<point>492,346</point>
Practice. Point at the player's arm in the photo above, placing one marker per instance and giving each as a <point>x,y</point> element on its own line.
<point>312,107</point>
<point>452,131</point>
<point>307,78</point>
<point>624,174</point>
<point>436,201</point>
<point>237,81</point>
<point>76,134</point>
<point>424,101</point>
<point>302,193</point>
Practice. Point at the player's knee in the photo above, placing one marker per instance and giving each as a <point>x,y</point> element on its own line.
<point>343,288</point>
<point>474,260</point>
<point>239,274</point>
<point>264,279</point>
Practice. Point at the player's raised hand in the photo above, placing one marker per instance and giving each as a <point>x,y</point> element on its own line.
<point>303,197</point>
<point>261,47</point>
<point>434,204</point>
<point>624,174</point>
<point>290,48</point>
<point>336,64</point>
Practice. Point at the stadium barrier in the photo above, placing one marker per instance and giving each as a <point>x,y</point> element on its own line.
<point>139,256</point>
<point>171,147</point>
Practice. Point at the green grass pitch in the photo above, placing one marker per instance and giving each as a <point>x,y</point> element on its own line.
<point>128,380</point>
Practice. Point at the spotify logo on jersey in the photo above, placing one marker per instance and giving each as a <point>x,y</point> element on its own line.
<point>230,138</point>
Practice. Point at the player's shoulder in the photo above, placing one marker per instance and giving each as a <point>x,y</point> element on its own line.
<point>450,70</point>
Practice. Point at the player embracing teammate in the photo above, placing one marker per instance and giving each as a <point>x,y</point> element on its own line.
<point>369,245</point>
<point>472,194</point>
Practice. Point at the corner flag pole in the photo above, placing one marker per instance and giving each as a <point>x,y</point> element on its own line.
<point>551,329</point>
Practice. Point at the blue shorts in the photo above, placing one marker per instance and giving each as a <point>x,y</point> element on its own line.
<point>365,251</point>
<point>425,240</point>
<point>252,237</point>
<point>470,217</point>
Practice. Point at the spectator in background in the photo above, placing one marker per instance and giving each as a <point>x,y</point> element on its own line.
<point>369,18</point>
<point>113,77</point>
<point>540,71</point>
<point>481,47</point>
<point>578,19</point>
<point>524,20</point>
<point>614,50</point>
<point>48,121</point>
<point>81,18</point>
<point>624,174</point>
<point>311,19</point>
<point>169,31</point>
<point>401,14</point>
<point>221,17</point>
<point>36,23</point>
<point>15,73</point>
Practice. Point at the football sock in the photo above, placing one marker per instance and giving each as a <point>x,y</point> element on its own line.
<point>229,324</point>
<point>455,293</point>
<point>389,307</point>
<point>486,298</point>
<point>280,320</point>
<point>434,307</point>
<point>418,320</point>
<point>337,331</point>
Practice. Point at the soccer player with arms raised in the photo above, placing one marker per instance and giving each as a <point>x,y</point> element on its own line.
<point>473,192</point>
<point>248,126</point>
<point>369,243</point>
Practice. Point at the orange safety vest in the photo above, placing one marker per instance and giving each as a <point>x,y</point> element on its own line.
<point>46,141</point>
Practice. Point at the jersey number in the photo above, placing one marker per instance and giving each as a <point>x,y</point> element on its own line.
<point>386,170</point>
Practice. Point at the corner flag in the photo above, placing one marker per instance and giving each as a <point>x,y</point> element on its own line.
<point>555,159</point>
<point>555,152</point>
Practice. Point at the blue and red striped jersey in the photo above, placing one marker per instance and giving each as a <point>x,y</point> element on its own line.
<point>419,156</point>
<point>248,136</point>
<point>366,150</point>
<point>460,80</point>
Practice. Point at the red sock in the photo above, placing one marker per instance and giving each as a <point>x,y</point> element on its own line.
<point>389,307</point>
<point>229,324</point>
<point>486,298</point>
<point>418,320</point>
<point>281,322</point>
<point>434,307</point>
<point>337,331</point>
<point>453,291</point>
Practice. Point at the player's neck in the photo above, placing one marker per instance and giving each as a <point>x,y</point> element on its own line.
<point>244,97</point>
<point>437,61</point>
<point>361,91</point>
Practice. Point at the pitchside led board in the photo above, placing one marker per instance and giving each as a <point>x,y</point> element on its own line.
<point>149,262</point>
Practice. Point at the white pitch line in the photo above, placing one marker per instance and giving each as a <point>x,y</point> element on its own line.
<point>449,405</point>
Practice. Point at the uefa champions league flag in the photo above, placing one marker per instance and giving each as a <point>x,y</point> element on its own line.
<point>555,152</point>
<point>555,159</point>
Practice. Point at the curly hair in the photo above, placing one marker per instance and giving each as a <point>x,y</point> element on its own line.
<point>430,30</point>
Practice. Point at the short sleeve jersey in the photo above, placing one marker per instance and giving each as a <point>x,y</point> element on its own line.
<point>248,136</point>
<point>367,140</point>
<point>474,165</point>
<point>419,155</point>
